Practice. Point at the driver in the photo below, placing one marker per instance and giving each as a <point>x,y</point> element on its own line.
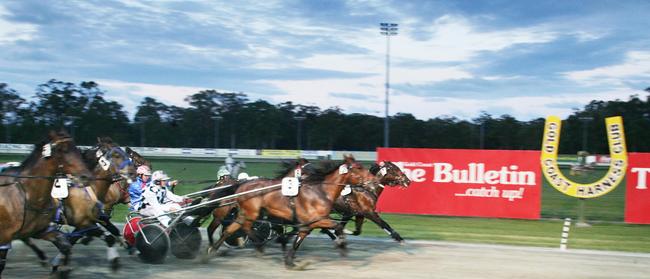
<point>136,188</point>
<point>157,200</point>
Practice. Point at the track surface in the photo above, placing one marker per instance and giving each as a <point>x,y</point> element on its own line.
<point>368,258</point>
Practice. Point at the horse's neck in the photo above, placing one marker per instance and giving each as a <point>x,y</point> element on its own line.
<point>38,190</point>
<point>333,185</point>
<point>101,185</point>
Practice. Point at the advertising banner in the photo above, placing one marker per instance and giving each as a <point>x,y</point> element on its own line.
<point>461,182</point>
<point>637,194</point>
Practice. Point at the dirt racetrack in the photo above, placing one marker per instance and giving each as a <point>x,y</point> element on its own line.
<point>368,258</point>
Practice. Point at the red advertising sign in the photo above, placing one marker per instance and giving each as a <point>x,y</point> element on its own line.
<point>637,194</point>
<point>457,182</point>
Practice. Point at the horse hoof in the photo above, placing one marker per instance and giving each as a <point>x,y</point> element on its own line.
<point>301,266</point>
<point>115,264</point>
<point>259,253</point>
<point>44,263</point>
<point>61,273</point>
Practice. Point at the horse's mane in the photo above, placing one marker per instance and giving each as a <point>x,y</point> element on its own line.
<point>317,175</point>
<point>33,157</point>
<point>36,154</point>
<point>374,169</point>
<point>285,168</point>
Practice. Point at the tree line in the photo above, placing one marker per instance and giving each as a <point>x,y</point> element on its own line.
<point>232,120</point>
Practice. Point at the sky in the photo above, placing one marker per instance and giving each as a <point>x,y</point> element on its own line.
<point>524,58</point>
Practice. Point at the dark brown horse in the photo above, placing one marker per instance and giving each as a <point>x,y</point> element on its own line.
<point>308,210</point>
<point>83,208</point>
<point>361,201</point>
<point>229,207</point>
<point>26,205</point>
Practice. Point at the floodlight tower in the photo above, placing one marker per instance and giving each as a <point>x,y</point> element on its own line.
<point>388,30</point>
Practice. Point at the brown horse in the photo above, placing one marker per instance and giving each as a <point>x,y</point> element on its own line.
<point>26,205</point>
<point>83,208</point>
<point>226,208</point>
<point>308,210</point>
<point>361,201</point>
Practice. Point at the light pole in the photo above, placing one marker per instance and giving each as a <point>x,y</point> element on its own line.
<point>216,119</point>
<point>585,124</point>
<point>581,201</point>
<point>142,120</point>
<point>481,139</point>
<point>388,30</point>
<point>7,121</point>
<point>70,121</point>
<point>299,119</point>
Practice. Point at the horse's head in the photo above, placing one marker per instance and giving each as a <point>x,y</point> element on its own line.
<point>390,174</point>
<point>61,154</point>
<point>137,159</point>
<point>110,157</point>
<point>355,173</point>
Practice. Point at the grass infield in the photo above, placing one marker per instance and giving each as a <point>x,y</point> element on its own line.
<point>605,214</point>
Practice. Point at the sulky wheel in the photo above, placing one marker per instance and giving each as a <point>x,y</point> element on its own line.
<point>154,248</point>
<point>263,231</point>
<point>185,241</point>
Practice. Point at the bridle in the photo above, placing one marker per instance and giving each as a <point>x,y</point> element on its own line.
<point>105,161</point>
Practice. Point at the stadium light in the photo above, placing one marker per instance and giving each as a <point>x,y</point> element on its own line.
<point>388,30</point>
<point>7,121</point>
<point>216,119</point>
<point>299,119</point>
<point>142,120</point>
<point>585,123</point>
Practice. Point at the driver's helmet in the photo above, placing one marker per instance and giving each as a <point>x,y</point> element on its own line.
<point>159,176</point>
<point>223,171</point>
<point>143,170</point>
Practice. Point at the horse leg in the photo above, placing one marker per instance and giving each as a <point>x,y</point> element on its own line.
<point>112,255</point>
<point>3,260</point>
<point>258,243</point>
<point>358,223</point>
<point>328,233</point>
<point>283,237</point>
<point>232,228</point>
<point>38,251</point>
<point>381,223</point>
<point>340,241</point>
<point>214,224</point>
<point>63,245</point>
<point>291,254</point>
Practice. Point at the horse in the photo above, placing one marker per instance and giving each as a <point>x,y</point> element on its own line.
<point>308,210</point>
<point>26,204</point>
<point>83,208</point>
<point>229,207</point>
<point>362,200</point>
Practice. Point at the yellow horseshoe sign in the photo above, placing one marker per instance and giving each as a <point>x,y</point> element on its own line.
<point>617,166</point>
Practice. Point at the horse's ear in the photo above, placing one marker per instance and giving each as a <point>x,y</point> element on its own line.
<point>99,140</point>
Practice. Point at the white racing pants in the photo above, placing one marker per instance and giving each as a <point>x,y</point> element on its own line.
<point>158,210</point>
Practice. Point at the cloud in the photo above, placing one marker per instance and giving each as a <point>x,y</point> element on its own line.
<point>11,32</point>
<point>355,96</point>
<point>635,66</point>
<point>130,94</point>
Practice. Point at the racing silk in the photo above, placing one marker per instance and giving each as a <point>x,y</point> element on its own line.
<point>135,193</point>
<point>156,196</point>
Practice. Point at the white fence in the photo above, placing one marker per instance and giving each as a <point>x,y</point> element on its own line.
<point>208,153</point>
